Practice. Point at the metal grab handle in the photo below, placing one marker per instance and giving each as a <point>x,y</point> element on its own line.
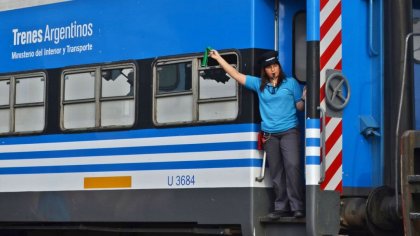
<point>322,177</point>
<point>262,172</point>
<point>372,51</point>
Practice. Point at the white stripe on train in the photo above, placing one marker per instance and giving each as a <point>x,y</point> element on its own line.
<point>132,142</point>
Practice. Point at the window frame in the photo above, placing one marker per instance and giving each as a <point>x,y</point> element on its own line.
<point>195,87</point>
<point>12,106</point>
<point>98,99</point>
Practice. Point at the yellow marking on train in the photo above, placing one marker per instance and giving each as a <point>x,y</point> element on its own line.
<point>107,182</point>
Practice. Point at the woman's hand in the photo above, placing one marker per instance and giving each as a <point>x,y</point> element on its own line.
<point>214,54</point>
<point>236,75</point>
<point>300,105</point>
<point>304,94</point>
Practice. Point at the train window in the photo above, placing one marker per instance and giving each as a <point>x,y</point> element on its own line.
<point>98,97</point>
<point>22,103</point>
<point>299,50</point>
<point>119,112</point>
<point>199,94</point>
<point>173,89</point>
<point>416,38</point>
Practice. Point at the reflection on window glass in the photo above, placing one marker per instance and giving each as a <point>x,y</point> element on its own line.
<point>174,77</point>
<point>117,82</point>
<point>30,90</point>
<point>79,86</point>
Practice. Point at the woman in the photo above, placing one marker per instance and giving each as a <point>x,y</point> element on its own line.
<point>279,98</point>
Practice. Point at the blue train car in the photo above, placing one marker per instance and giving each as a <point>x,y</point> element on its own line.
<point>110,122</point>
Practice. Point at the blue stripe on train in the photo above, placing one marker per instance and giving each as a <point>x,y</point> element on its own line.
<point>204,164</point>
<point>201,147</point>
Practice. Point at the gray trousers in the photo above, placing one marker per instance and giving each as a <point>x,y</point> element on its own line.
<point>283,157</point>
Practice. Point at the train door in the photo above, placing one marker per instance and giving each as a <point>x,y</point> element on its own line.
<point>416,61</point>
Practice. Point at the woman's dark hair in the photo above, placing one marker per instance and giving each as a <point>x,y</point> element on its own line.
<point>265,78</point>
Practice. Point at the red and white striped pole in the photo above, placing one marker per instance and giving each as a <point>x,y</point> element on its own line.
<point>331,58</point>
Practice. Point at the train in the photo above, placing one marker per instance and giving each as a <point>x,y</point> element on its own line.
<point>113,121</point>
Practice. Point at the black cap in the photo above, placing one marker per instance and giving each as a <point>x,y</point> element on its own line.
<point>268,58</point>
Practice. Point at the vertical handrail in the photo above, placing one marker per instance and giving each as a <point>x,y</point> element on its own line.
<point>400,104</point>
<point>322,114</point>
<point>261,177</point>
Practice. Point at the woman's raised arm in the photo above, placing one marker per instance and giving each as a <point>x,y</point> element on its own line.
<point>227,67</point>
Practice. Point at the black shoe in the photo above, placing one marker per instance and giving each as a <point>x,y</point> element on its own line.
<point>298,214</point>
<point>278,214</point>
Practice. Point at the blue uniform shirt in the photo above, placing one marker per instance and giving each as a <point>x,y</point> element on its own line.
<point>278,110</point>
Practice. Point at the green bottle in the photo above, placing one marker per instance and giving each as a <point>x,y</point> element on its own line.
<point>205,57</point>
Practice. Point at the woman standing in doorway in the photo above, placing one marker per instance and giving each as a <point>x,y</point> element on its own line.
<point>279,99</point>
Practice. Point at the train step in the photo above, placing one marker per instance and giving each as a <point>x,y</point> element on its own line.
<point>414,183</point>
<point>285,226</point>
<point>414,216</point>
<point>410,182</point>
<point>413,179</point>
